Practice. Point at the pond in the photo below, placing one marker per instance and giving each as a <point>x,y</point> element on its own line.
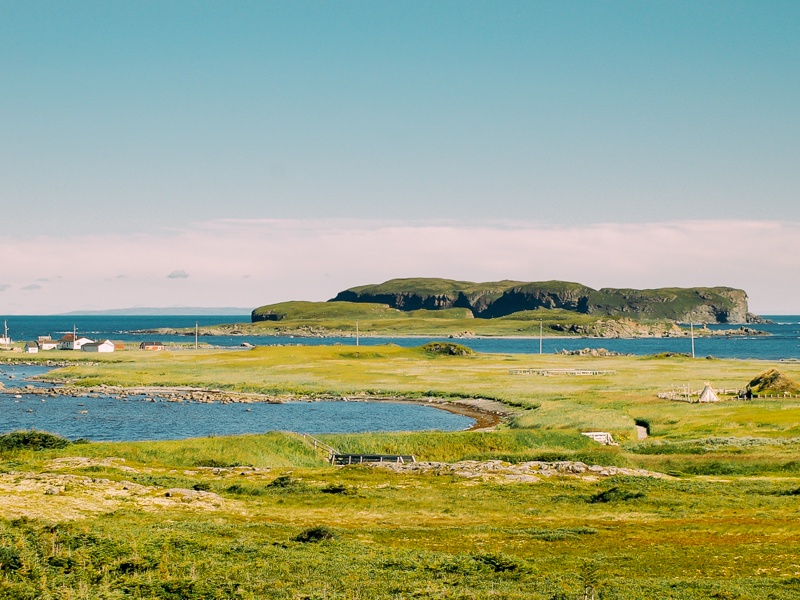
<point>107,418</point>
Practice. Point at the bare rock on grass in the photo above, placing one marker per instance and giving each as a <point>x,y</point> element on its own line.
<point>81,462</point>
<point>62,497</point>
<point>528,472</point>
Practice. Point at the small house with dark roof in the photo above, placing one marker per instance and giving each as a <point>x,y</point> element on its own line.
<point>104,346</point>
<point>151,346</point>
<point>71,342</point>
<point>47,343</point>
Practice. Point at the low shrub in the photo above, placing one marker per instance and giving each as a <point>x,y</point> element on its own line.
<point>499,562</point>
<point>32,440</point>
<point>337,488</point>
<point>614,494</point>
<point>286,483</point>
<point>315,534</point>
<point>447,349</point>
<point>562,533</point>
<point>9,559</point>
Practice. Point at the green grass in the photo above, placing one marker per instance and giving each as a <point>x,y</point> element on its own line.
<point>292,526</point>
<point>608,402</point>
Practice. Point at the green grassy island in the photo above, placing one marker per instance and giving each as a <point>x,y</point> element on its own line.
<point>704,507</point>
<point>443,307</point>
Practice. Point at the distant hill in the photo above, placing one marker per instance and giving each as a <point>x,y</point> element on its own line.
<point>166,311</point>
<point>503,298</point>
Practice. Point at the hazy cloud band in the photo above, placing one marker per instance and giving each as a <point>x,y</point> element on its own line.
<point>254,262</point>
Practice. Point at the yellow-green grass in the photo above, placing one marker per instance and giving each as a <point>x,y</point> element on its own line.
<point>604,402</point>
<point>402,536</point>
<point>733,436</point>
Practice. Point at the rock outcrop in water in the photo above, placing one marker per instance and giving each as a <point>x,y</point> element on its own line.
<point>502,298</point>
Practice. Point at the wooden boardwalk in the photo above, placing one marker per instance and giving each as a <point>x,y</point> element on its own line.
<point>337,458</point>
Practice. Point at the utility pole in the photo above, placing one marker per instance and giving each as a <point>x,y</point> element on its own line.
<point>540,336</point>
<point>195,335</point>
<point>356,332</point>
<point>691,328</point>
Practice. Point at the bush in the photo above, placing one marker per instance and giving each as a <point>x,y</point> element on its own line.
<point>448,349</point>
<point>32,440</point>
<point>286,483</point>
<point>499,563</point>
<point>315,534</point>
<point>9,559</point>
<point>614,494</point>
<point>337,488</point>
<point>243,490</point>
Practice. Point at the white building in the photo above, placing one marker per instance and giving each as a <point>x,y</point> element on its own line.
<point>31,347</point>
<point>69,342</point>
<point>104,346</point>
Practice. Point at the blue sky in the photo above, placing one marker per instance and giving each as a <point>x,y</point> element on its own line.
<point>157,120</point>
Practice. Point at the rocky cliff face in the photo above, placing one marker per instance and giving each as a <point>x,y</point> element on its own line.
<point>498,299</point>
<point>430,294</point>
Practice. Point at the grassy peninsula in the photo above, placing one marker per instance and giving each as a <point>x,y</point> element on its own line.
<point>702,508</point>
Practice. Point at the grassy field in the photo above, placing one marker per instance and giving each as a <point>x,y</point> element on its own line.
<point>263,516</point>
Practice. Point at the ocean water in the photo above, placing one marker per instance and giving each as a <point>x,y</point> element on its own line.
<point>784,343</point>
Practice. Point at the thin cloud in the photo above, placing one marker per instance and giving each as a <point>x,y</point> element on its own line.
<point>4,287</point>
<point>32,287</point>
<point>313,260</point>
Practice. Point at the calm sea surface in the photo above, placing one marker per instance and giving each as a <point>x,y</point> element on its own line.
<point>783,343</point>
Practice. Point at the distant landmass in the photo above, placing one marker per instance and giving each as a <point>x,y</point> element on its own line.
<point>164,311</point>
<point>503,298</point>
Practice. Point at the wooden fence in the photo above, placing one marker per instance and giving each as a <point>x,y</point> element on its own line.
<point>549,372</point>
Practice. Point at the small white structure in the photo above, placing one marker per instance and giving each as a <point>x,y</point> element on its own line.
<point>32,347</point>
<point>48,344</point>
<point>601,437</point>
<point>708,394</point>
<point>104,346</point>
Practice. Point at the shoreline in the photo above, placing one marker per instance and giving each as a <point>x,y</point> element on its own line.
<point>488,414</point>
<point>699,334</point>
